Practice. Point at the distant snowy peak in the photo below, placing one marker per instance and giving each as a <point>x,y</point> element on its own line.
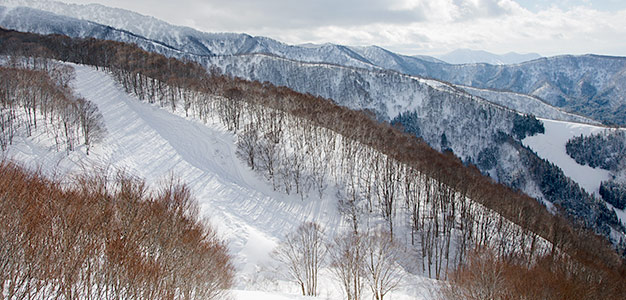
<point>468,56</point>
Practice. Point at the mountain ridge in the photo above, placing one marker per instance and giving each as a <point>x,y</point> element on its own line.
<point>602,100</point>
<point>369,88</point>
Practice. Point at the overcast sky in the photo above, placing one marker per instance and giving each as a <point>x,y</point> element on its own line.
<point>411,27</point>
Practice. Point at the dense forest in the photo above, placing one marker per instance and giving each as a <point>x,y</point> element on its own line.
<point>614,192</point>
<point>554,186</point>
<point>606,150</point>
<point>301,143</point>
<point>603,150</point>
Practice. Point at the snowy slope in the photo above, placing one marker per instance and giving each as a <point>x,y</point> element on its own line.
<point>526,104</point>
<point>152,143</point>
<point>551,146</point>
<point>329,71</point>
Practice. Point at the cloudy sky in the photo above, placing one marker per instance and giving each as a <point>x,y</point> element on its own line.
<point>411,27</point>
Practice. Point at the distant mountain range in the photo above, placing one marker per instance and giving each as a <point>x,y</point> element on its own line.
<point>476,115</point>
<point>590,85</point>
<point>468,56</point>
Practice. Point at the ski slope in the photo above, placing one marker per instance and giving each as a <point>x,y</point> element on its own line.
<point>153,143</point>
<point>551,146</point>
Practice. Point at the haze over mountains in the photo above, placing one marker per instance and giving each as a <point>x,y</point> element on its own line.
<point>468,56</point>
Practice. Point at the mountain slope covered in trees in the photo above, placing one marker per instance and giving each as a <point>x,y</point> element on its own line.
<point>366,165</point>
<point>439,113</point>
<point>588,85</point>
<point>605,150</point>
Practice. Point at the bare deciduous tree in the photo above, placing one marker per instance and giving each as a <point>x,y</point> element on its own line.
<point>347,259</point>
<point>303,253</point>
<point>91,122</point>
<point>105,240</point>
<point>381,263</point>
<point>480,278</point>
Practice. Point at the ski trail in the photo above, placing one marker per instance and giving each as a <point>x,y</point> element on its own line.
<point>152,143</point>
<point>551,146</point>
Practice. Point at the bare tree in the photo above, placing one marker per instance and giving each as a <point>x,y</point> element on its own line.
<point>247,145</point>
<point>387,180</point>
<point>232,109</point>
<point>269,156</point>
<point>346,257</point>
<point>381,263</point>
<point>91,122</point>
<point>480,278</point>
<point>303,253</point>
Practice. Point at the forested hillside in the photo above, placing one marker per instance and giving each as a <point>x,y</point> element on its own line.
<point>305,145</point>
<point>445,118</point>
<point>468,121</point>
<point>606,150</point>
<point>36,96</point>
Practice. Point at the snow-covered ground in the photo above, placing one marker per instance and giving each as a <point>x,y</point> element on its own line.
<point>153,143</point>
<point>526,104</point>
<point>551,146</point>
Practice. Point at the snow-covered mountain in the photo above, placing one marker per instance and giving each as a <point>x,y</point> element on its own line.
<point>181,41</point>
<point>591,85</point>
<point>525,104</point>
<point>471,123</point>
<point>468,56</point>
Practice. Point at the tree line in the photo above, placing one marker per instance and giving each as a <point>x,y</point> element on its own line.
<point>35,97</point>
<point>605,150</point>
<point>376,261</point>
<point>357,260</point>
<point>403,180</point>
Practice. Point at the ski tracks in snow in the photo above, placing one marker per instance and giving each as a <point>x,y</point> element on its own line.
<point>153,143</point>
